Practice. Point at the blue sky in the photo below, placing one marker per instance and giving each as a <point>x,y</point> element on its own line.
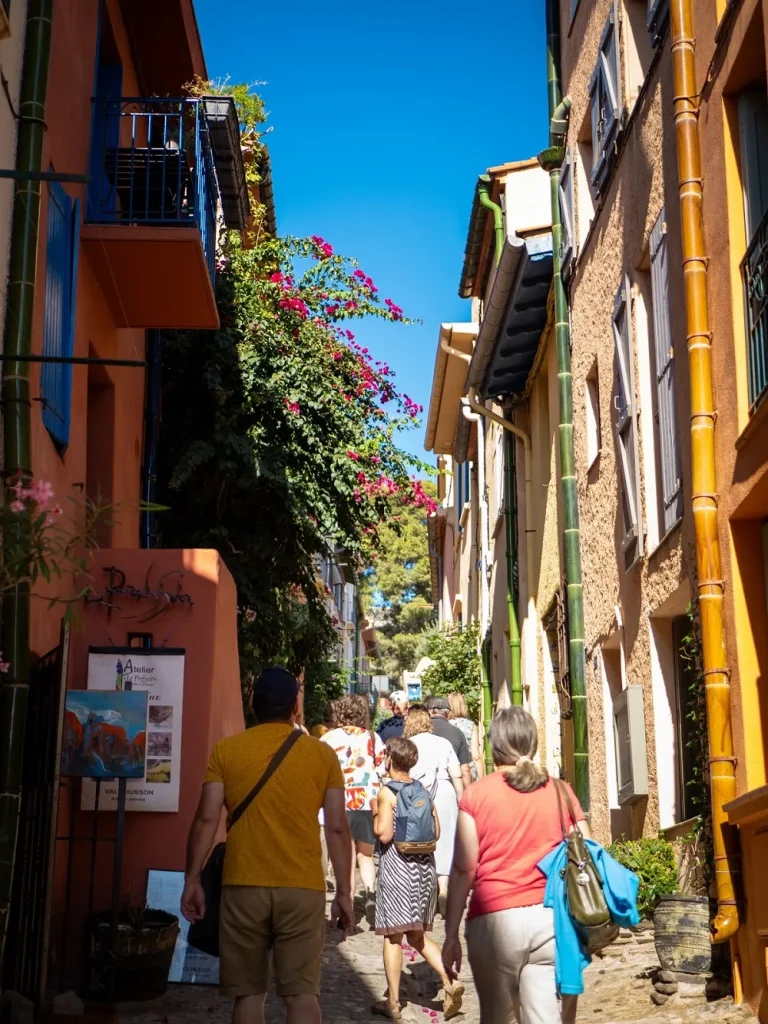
<point>382,117</point>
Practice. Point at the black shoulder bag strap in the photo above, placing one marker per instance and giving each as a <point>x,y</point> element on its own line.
<point>272,767</point>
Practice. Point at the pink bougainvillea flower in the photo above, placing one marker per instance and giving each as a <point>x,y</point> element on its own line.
<point>4,665</point>
<point>350,304</point>
<point>337,356</point>
<point>349,335</point>
<point>293,407</point>
<point>353,455</point>
<point>375,459</point>
<point>276,278</point>
<point>359,273</point>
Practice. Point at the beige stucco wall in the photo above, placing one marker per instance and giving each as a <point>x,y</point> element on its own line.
<point>11,55</point>
<point>644,181</point>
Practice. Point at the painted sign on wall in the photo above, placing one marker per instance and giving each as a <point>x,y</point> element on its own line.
<point>159,672</point>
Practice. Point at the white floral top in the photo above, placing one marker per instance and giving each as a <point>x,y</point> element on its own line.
<point>361,756</point>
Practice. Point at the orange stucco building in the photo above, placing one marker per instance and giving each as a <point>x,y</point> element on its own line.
<point>140,178</point>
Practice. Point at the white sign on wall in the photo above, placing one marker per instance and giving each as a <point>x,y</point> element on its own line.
<point>159,671</point>
<point>189,965</point>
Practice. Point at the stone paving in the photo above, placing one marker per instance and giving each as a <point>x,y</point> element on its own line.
<point>618,990</point>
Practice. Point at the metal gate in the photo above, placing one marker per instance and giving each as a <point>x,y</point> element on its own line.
<point>24,968</point>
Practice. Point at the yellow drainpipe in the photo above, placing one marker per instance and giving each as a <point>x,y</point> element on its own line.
<point>704,497</point>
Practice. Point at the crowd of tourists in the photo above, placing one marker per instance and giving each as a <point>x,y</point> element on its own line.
<point>409,807</point>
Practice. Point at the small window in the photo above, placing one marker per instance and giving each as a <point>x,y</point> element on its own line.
<point>626,426</point>
<point>605,103</point>
<point>568,238</point>
<point>658,19</point>
<point>593,417</point>
<point>59,315</point>
<point>638,49</point>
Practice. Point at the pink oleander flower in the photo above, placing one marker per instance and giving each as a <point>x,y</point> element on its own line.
<point>17,506</point>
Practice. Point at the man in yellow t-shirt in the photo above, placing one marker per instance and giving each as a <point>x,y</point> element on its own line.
<point>273,900</point>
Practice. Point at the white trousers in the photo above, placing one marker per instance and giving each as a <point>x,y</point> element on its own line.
<point>512,956</point>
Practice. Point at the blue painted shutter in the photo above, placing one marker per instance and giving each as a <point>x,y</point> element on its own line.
<point>669,440</point>
<point>59,316</point>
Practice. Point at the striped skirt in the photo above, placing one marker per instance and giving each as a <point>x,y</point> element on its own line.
<point>406,895</point>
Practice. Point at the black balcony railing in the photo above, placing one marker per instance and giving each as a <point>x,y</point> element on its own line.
<point>754,272</point>
<point>152,164</point>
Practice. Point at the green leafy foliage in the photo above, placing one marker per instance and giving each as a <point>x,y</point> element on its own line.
<point>398,588</point>
<point>323,681</point>
<point>278,439</point>
<point>654,861</point>
<point>457,665</point>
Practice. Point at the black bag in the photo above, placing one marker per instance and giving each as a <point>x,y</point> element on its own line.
<point>587,904</point>
<point>204,935</point>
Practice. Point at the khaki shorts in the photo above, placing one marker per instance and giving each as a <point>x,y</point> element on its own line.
<point>258,922</point>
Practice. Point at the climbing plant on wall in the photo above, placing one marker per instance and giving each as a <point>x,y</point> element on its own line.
<point>278,437</point>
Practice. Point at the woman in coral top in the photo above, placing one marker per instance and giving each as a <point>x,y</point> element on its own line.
<point>508,822</point>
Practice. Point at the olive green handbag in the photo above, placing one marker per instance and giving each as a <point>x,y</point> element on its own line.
<point>583,886</point>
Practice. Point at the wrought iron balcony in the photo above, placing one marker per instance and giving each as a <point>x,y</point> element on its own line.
<point>754,272</point>
<point>152,164</point>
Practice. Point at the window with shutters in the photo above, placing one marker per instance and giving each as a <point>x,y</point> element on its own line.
<point>753,137</point>
<point>566,191</point>
<point>59,314</point>
<point>663,361</point>
<point>626,427</point>
<point>605,103</point>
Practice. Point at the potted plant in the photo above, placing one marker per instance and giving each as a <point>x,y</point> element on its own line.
<point>140,957</point>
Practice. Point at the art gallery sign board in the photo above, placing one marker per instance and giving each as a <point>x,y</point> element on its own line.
<point>160,672</point>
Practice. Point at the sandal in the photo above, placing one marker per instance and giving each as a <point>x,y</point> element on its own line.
<point>453,1000</point>
<point>385,1009</point>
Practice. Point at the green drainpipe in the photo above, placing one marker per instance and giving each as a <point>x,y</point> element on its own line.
<point>551,160</point>
<point>17,459</point>
<point>484,192</point>
<point>485,682</point>
<point>510,524</point>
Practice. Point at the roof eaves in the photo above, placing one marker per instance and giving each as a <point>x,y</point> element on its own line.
<point>490,326</point>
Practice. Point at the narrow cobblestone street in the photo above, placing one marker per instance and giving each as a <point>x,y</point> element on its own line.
<point>618,990</point>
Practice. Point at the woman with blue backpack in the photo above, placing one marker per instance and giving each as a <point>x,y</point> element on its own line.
<point>407,826</point>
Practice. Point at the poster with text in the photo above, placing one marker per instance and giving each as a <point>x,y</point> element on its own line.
<point>189,965</point>
<point>159,672</point>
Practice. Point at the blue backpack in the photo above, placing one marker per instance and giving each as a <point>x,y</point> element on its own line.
<point>414,824</point>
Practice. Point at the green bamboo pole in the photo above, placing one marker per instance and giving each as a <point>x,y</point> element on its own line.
<point>510,517</point>
<point>551,160</point>
<point>485,683</point>
<point>17,459</point>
